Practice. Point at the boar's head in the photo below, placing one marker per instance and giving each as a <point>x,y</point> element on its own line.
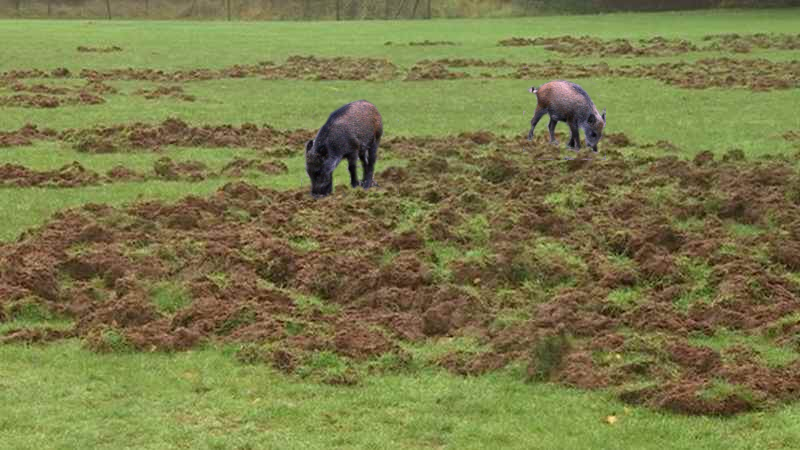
<point>595,129</point>
<point>318,170</point>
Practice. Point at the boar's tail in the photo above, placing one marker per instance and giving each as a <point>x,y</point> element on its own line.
<point>533,89</point>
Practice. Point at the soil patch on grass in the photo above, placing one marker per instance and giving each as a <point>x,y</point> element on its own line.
<point>622,273</point>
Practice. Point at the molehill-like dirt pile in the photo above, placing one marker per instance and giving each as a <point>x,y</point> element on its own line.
<point>605,273</point>
<point>75,175</point>
<point>175,92</point>
<point>44,96</point>
<point>148,137</point>
<point>574,46</point>
<point>111,49</point>
<point>757,74</point>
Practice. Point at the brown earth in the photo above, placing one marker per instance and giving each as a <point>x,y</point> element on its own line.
<point>111,49</point>
<point>295,68</point>
<point>537,294</point>
<point>44,96</point>
<point>75,175</point>
<point>656,46</point>
<point>590,46</point>
<point>425,43</point>
<point>171,132</point>
<point>756,74</point>
<point>70,175</point>
<point>175,92</point>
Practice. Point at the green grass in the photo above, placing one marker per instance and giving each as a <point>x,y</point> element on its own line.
<point>625,297</point>
<point>772,354</point>
<point>698,274</point>
<point>205,399</point>
<point>169,297</point>
<point>64,396</point>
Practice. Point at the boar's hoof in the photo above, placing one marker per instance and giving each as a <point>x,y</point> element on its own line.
<point>554,142</point>
<point>368,184</point>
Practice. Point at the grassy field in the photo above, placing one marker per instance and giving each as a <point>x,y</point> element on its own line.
<point>63,395</point>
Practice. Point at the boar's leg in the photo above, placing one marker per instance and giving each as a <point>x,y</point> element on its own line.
<point>575,136</point>
<point>551,127</point>
<point>352,166</point>
<point>537,116</point>
<point>369,165</point>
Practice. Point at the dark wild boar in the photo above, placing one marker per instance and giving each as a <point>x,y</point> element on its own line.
<point>353,132</point>
<point>567,102</point>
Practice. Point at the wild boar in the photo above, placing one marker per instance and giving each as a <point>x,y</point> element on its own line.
<point>353,132</point>
<point>567,102</point>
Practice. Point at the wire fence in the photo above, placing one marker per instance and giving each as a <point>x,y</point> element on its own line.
<point>342,9</point>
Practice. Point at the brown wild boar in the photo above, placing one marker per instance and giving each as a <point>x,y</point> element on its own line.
<point>567,102</point>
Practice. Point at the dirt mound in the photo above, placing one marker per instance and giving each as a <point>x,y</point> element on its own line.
<point>71,175</point>
<point>39,89</point>
<point>575,46</point>
<point>427,43</point>
<point>167,169</point>
<point>175,92</point>
<point>139,136</point>
<point>429,70</point>
<point>25,136</point>
<point>756,74</point>
<point>111,49</point>
<point>75,175</point>
<point>238,166</point>
<point>171,132</point>
<point>294,68</point>
<point>44,96</point>
<point>611,277</point>
<point>743,43</point>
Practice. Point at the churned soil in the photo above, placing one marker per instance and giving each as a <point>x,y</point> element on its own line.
<point>425,43</point>
<point>111,49</point>
<point>590,46</point>
<point>76,175</point>
<point>721,72</point>
<point>573,46</point>
<point>45,96</point>
<point>756,74</point>
<point>294,68</point>
<point>175,92</point>
<point>603,273</point>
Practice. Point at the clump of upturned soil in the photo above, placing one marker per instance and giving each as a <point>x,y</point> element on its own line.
<point>574,46</point>
<point>49,101</point>
<point>238,166</point>
<point>756,74</point>
<point>26,136</point>
<point>175,92</point>
<point>744,43</point>
<point>427,43</point>
<point>45,96</point>
<point>111,49</point>
<point>139,136</point>
<point>71,175</point>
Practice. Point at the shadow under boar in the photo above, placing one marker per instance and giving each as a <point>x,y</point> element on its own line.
<point>353,132</point>
<point>567,102</point>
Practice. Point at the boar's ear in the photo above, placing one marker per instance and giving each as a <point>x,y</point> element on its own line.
<point>604,115</point>
<point>309,144</point>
